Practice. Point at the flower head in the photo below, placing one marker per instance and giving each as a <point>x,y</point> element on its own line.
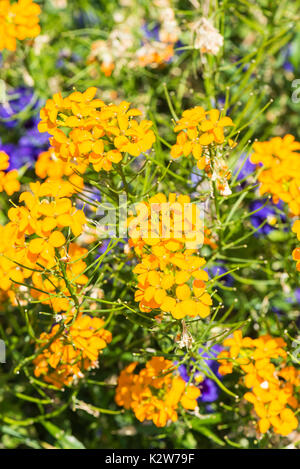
<point>18,21</point>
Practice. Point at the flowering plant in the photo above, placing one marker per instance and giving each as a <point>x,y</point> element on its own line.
<point>149,225</point>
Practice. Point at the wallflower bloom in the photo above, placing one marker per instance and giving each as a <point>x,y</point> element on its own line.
<point>69,354</point>
<point>272,384</point>
<point>201,131</point>
<point>18,20</point>
<point>93,132</point>
<point>177,286</point>
<point>173,222</point>
<point>296,257</point>
<point>35,241</point>
<point>281,170</point>
<point>280,176</point>
<point>155,393</point>
<point>8,179</point>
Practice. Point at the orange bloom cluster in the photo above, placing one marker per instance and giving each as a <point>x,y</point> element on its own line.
<point>69,353</point>
<point>33,240</point>
<point>174,283</point>
<point>281,170</point>
<point>8,179</point>
<point>271,382</point>
<point>173,222</point>
<point>155,392</point>
<point>280,176</point>
<point>51,168</point>
<point>85,130</point>
<point>155,54</point>
<point>296,252</point>
<point>18,20</point>
<point>170,276</point>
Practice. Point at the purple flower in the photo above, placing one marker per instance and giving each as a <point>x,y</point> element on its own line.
<point>30,142</point>
<point>19,154</point>
<point>17,101</point>
<point>208,387</point>
<point>287,64</point>
<point>152,34</point>
<point>265,213</point>
<point>297,295</point>
<point>29,146</point>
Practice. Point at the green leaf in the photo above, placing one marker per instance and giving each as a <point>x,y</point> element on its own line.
<point>64,441</point>
<point>209,419</point>
<point>208,433</point>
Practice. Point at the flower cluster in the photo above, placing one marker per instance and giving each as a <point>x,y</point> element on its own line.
<point>84,130</point>
<point>280,174</point>
<point>271,382</point>
<point>69,349</point>
<point>33,242</point>
<point>207,38</point>
<point>158,43</point>
<point>170,275</point>
<point>200,134</point>
<point>53,169</point>
<point>130,45</point>
<point>18,20</point>
<point>155,392</point>
<point>8,179</point>
<point>296,251</point>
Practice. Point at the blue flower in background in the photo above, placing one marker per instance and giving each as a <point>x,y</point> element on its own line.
<point>31,141</point>
<point>208,387</point>
<point>287,64</point>
<point>17,101</point>
<point>265,213</point>
<point>152,34</point>
<point>244,168</point>
<point>297,295</point>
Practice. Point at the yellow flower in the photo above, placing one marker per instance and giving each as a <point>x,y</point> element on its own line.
<point>18,20</point>
<point>272,385</point>
<point>97,134</point>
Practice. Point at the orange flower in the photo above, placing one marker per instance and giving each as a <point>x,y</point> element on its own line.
<point>8,179</point>
<point>281,169</point>
<point>197,133</point>
<point>18,20</point>
<point>72,352</point>
<point>9,182</point>
<point>51,168</point>
<point>155,393</point>
<point>272,386</point>
<point>96,133</point>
